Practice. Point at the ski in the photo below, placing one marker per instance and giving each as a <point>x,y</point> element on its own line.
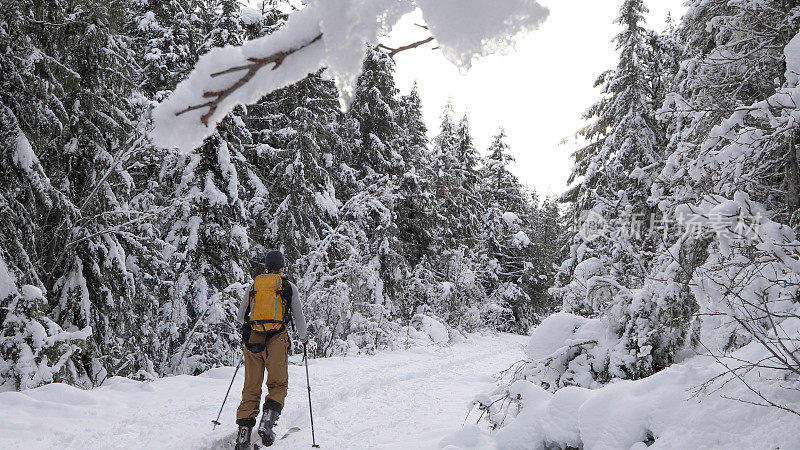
<point>289,432</point>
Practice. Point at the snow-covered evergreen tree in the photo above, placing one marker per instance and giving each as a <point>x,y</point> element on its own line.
<point>375,156</point>
<point>415,216</point>
<point>726,154</point>
<point>458,292</point>
<point>349,307</point>
<point>466,205</point>
<point>165,34</point>
<point>33,349</point>
<point>75,106</point>
<point>613,177</point>
<point>611,172</point>
<point>297,130</point>
<point>375,113</point>
<point>547,234</point>
<point>505,235</point>
<point>208,231</point>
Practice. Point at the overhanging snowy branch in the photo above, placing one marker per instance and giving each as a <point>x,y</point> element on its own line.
<point>333,34</point>
<point>250,71</point>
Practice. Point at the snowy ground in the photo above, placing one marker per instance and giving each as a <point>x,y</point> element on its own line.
<point>404,399</point>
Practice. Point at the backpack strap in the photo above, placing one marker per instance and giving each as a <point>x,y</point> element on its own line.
<point>262,322</point>
<point>286,294</point>
<point>252,300</point>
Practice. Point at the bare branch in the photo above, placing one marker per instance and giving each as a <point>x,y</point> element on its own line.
<point>251,69</point>
<point>394,51</point>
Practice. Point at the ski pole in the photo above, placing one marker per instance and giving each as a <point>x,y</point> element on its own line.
<point>216,422</point>
<point>310,411</point>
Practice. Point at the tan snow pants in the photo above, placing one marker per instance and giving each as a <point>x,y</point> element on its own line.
<point>275,359</point>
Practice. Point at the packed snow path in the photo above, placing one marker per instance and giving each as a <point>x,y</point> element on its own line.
<point>404,399</point>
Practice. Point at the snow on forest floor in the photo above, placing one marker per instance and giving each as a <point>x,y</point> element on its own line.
<point>401,399</point>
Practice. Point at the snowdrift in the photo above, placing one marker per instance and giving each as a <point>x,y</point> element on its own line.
<point>687,405</point>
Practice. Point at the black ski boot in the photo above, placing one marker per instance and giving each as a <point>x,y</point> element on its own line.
<point>272,410</point>
<point>243,435</point>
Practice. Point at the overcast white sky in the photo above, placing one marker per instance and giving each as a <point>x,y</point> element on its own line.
<point>537,92</point>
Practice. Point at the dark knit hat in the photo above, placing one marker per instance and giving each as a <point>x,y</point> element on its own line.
<point>274,261</point>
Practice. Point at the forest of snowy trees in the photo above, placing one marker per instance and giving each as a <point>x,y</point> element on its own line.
<point>120,258</point>
<point>148,166</point>
<point>681,225</point>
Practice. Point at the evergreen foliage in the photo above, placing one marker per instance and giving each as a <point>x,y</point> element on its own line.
<point>612,180</point>
<point>128,260</point>
<point>692,136</point>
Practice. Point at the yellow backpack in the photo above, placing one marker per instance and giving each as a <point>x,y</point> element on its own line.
<point>269,304</point>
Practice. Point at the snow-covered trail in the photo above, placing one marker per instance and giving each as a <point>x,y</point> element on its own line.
<point>404,399</point>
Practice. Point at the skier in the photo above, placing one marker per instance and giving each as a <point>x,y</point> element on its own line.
<point>266,308</point>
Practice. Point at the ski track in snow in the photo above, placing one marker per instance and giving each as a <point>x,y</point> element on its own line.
<point>401,399</point>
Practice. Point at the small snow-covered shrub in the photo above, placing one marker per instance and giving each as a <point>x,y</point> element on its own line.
<point>435,330</point>
<point>34,350</point>
<point>564,350</point>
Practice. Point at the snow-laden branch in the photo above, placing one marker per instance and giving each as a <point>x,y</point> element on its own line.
<point>333,34</point>
<point>249,72</point>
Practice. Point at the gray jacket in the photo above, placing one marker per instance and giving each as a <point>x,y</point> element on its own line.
<point>296,307</point>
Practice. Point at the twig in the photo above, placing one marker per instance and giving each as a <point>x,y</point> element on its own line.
<point>251,69</point>
<point>394,51</point>
<point>732,371</point>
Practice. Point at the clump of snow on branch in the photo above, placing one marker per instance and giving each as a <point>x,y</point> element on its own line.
<point>486,28</point>
<point>333,34</point>
<point>510,218</point>
<point>436,330</point>
<point>250,16</point>
<point>521,239</point>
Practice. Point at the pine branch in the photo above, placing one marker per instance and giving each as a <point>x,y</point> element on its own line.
<point>250,71</point>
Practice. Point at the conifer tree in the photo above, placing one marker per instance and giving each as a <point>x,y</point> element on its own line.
<point>465,193</point>
<point>33,349</point>
<point>374,113</point>
<point>611,172</point>
<point>207,230</point>
<point>461,266</point>
<point>506,235</point>
<point>164,36</point>
<point>75,101</point>
<point>701,167</point>
<point>375,139</point>
<point>613,176</point>
<point>415,217</point>
<point>297,128</point>
<point>349,305</point>
<point>296,143</point>
<point>456,178</point>
<point>547,236</point>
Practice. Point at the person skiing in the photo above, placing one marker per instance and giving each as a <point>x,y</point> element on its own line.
<point>266,308</point>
